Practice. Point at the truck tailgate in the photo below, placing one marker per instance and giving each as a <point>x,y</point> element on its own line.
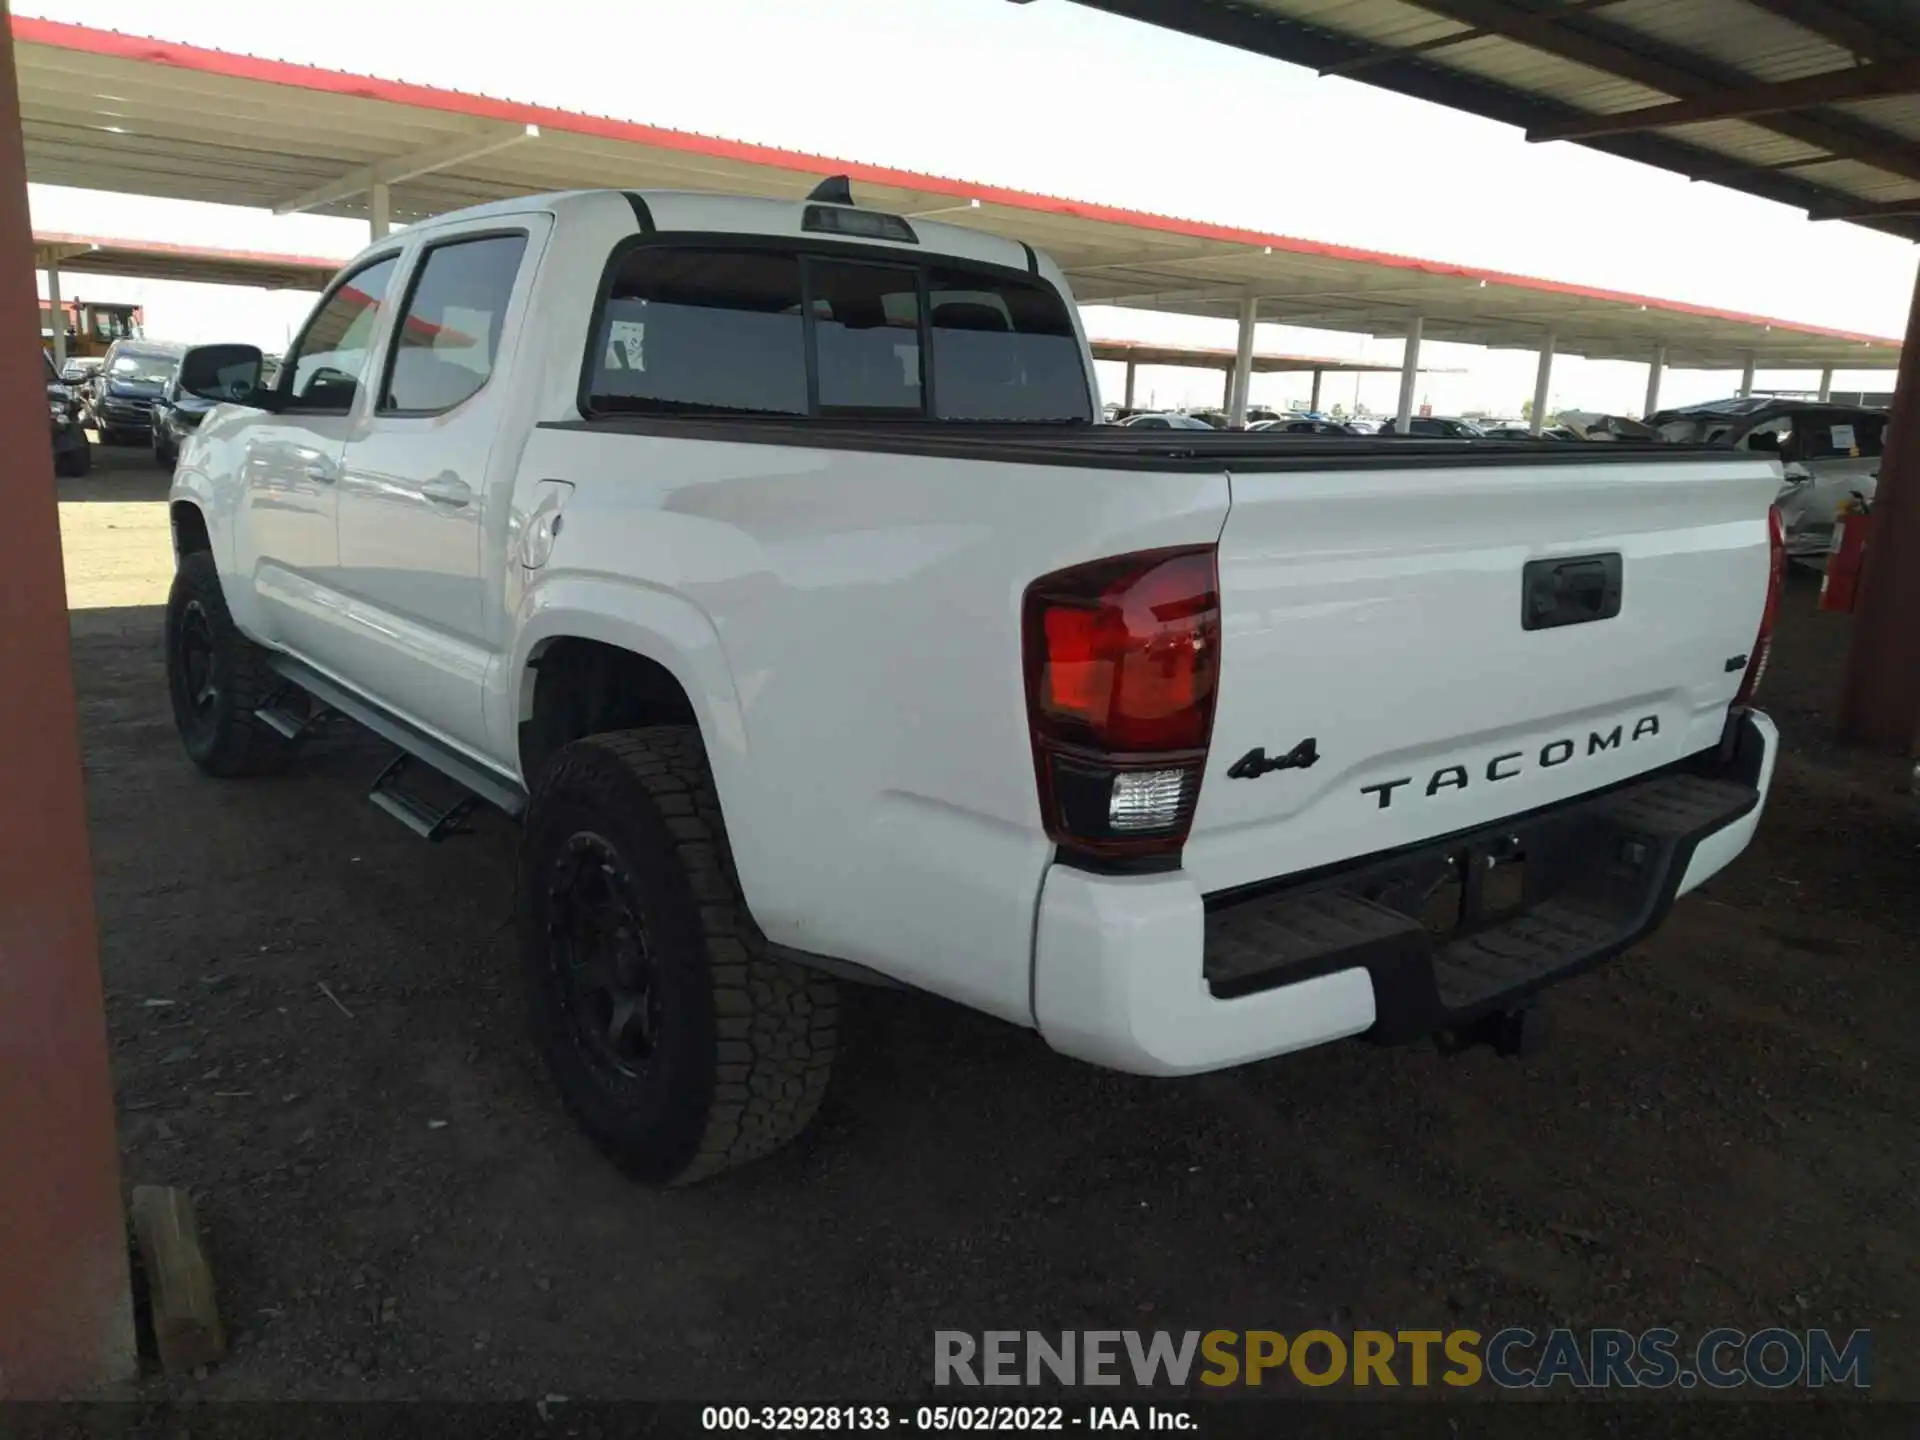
<point>1381,613</point>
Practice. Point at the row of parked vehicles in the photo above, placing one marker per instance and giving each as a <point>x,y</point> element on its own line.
<point>1829,453</point>
<point>1432,427</point>
<point>130,396</point>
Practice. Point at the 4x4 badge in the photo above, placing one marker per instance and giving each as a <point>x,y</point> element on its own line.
<point>1254,764</point>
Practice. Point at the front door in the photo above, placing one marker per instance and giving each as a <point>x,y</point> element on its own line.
<point>413,491</point>
<point>289,533</point>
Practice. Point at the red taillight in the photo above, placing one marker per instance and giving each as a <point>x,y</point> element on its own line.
<point>1776,582</point>
<point>1122,657</point>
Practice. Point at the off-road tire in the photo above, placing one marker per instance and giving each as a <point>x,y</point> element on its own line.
<point>741,1041</point>
<point>220,734</point>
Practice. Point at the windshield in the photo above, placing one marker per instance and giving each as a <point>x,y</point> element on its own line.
<point>135,366</point>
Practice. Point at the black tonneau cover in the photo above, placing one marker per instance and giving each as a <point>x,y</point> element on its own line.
<point>1129,447</point>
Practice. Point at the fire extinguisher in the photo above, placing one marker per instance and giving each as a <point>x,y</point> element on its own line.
<point>1852,531</point>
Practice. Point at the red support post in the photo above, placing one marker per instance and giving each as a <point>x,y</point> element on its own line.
<point>66,1318</point>
<point>1880,704</point>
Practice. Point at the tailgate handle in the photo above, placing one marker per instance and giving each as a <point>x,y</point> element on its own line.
<point>1569,591</point>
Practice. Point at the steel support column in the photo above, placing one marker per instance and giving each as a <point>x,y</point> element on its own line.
<point>1543,383</point>
<point>1409,375</point>
<point>1880,700</point>
<point>1655,372</point>
<point>1242,382</point>
<point>1826,385</point>
<point>378,222</point>
<point>1746,379</point>
<point>1313,404</point>
<point>1128,402</point>
<point>66,1318</point>
<point>58,323</point>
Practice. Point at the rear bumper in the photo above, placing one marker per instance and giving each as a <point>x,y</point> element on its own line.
<point>1138,973</point>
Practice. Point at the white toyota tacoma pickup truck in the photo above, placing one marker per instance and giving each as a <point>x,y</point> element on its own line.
<point>764,560</point>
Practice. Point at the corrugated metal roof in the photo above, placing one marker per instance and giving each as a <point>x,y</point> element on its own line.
<point>1548,64</point>
<point>115,112</point>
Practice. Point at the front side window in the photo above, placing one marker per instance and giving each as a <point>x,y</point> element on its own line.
<point>777,333</point>
<point>449,334</point>
<point>1773,437</point>
<point>331,357</point>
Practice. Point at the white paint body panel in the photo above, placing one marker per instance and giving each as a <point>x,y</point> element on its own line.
<point>846,625</point>
<point>1379,612</point>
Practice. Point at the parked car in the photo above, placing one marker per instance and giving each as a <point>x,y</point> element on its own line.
<point>121,395</point>
<point>176,413</point>
<point>72,452</point>
<point>1361,425</point>
<point>79,369</point>
<point>1827,453</point>
<point>1165,420</point>
<point>1433,426</point>
<point>1300,425</point>
<point>1523,432</point>
<point>828,640</point>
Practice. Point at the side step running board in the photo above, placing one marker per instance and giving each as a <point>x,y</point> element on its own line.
<point>423,819</point>
<point>482,782</point>
<point>289,727</point>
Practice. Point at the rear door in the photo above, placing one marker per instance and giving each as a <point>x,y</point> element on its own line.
<point>1442,631</point>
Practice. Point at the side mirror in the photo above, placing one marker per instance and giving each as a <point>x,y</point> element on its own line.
<point>229,373</point>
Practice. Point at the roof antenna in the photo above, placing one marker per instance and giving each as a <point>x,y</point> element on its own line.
<point>834,190</point>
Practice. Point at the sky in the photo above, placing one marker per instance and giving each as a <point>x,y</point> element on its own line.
<point>1056,98</point>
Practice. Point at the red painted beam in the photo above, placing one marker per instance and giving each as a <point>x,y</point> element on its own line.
<point>66,1319</point>
<point>1880,704</point>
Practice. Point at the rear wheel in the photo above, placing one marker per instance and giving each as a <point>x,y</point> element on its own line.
<point>217,678</point>
<point>676,1039</point>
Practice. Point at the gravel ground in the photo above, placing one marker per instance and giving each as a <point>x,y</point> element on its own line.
<point>317,1026</point>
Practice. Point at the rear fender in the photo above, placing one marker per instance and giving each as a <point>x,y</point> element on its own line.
<point>660,626</point>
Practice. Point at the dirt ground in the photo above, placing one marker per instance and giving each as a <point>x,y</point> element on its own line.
<point>317,1026</point>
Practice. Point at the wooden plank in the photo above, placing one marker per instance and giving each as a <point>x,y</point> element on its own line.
<point>186,1317</point>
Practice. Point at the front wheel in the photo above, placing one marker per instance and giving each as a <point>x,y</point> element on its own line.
<point>71,464</point>
<point>681,1044</point>
<point>217,678</point>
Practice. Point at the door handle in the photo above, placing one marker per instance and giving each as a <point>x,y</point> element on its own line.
<point>448,492</point>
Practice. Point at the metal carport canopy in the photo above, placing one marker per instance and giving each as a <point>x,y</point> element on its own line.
<point>157,260</point>
<point>112,112</point>
<point>1814,103</point>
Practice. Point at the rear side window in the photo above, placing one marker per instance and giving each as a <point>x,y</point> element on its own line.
<point>1840,437</point>
<point>449,332</point>
<point>702,332</point>
<point>766,332</point>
